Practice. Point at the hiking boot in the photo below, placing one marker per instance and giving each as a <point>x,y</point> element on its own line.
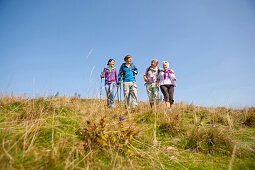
<point>135,110</point>
<point>126,112</point>
<point>169,109</point>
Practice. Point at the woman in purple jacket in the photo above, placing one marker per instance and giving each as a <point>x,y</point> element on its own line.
<point>111,81</point>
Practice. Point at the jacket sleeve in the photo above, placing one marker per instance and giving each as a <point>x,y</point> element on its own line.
<point>173,75</point>
<point>158,76</point>
<point>120,75</point>
<point>145,73</point>
<point>116,76</point>
<point>135,69</point>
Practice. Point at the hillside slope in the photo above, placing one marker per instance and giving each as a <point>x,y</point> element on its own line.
<point>68,132</point>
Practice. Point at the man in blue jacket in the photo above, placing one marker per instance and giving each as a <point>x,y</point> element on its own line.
<point>127,72</point>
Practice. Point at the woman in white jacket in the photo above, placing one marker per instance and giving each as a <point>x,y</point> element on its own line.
<point>166,79</point>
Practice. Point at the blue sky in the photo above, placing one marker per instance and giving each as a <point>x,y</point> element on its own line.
<point>63,45</point>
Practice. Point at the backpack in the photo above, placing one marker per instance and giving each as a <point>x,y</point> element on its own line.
<point>123,72</point>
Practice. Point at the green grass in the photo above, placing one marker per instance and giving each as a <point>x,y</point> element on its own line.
<point>47,134</point>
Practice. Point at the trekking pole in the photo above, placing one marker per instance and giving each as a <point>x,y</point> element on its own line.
<point>120,93</point>
<point>116,92</point>
<point>118,96</point>
<point>101,90</point>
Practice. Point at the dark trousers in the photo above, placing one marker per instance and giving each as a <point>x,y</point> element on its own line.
<point>168,92</point>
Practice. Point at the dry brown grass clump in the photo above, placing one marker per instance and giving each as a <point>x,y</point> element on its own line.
<point>209,140</point>
<point>172,124</point>
<point>249,118</point>
<point>103,134</point>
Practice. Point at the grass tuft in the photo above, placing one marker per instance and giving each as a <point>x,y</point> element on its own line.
<point>209,140</point>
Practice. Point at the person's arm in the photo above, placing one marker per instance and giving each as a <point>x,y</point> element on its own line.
<point>135,69</point>
<point>158,79</point>
<point>174,77</point>
<point>171,71</point>
<point>174,82</point>
<point>144,76</point>
<point>103,74</point>
<point>116,76</point>
<point>120,75</point>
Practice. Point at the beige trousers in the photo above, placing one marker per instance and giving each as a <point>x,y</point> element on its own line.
<point>130,89</point>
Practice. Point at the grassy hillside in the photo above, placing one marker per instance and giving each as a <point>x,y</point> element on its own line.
<point>68,133</point>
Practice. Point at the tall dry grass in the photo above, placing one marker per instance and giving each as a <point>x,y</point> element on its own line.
<point>72,133</point>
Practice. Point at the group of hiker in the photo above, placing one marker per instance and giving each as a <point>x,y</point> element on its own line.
<point>153,77</point>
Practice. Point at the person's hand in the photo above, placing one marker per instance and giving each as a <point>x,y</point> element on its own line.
<point>119,83</point>
<point>171,71</point>
<point>174,79</point>
<point>102,75</point>
<point>145,78</point>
